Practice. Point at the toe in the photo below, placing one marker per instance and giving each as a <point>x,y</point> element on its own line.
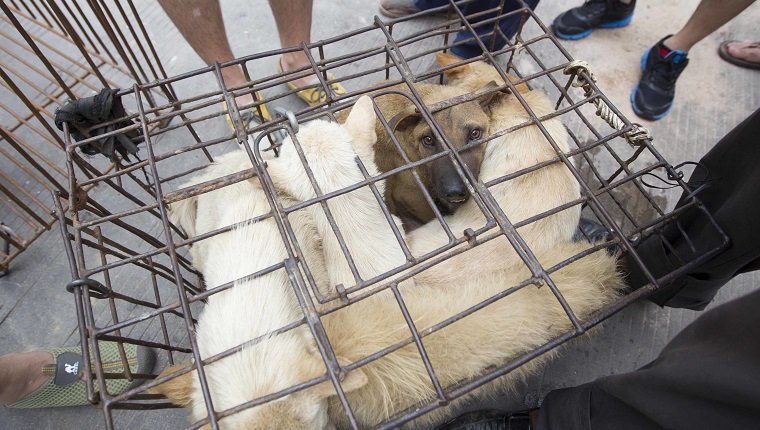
<point>747,51</point>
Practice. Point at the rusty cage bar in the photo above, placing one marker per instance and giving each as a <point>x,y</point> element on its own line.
<point>134,281</point>
<point>53,52</point>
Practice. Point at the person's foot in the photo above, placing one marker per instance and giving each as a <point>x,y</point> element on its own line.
<point>581,21</point>
<point>233,77</point>
<point>53,378</point>
<point>743,54</point>
<point>21,375</point>
<point>653,96</point>
<point>398,8</point>
<point>309,86</point>
<point>296,60</point>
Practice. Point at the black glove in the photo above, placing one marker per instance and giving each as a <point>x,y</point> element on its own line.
<point>89,112</point>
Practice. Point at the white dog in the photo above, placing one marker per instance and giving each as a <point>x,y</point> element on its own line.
<point>253,307</point>
<point>514,325</point>
<point>376,391</point>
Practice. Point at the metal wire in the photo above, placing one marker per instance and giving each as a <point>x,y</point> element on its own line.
<point>51,52</point>
<point>132,237</point>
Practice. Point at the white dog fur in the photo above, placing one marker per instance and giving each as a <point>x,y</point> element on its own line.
<point>517,324</point>
<point>527,318</point>
<point>254,307</point>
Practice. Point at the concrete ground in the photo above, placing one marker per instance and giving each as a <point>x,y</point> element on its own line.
<point>712,97</point>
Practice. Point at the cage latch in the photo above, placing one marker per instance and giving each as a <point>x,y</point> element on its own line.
<point>470,235</point>
<point>78,199</point>
<point>280,134</point>
<point>579,70</point>
<point>95,288</point>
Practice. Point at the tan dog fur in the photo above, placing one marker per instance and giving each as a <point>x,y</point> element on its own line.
<point>473,75</point>
<point>525,319</point>
<point>403,195</point>
<point>254,307</point>
<point>521,197</point>
<point>517,324</point>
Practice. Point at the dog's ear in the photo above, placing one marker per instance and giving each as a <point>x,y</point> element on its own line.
<point>178,390</point>
<point>491,97</point>
<point>361,123</point>
<point>182,214</point>
<point>521,87</point>
<point>407,118</point>
<point>446,59</point>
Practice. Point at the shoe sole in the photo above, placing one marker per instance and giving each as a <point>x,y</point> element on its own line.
<point>608,25</point>
<point>393,14</point>
<point>636,109</point>
<point>644,59</point>
<point>396,14</point>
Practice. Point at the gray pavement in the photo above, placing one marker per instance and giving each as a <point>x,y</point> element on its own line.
<point>713,97</point>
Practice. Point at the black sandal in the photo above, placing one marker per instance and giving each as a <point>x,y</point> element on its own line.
<point>724,54</point>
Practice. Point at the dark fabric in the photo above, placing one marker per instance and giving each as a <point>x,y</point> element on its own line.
<point>509,26</point>
<point>489,420</point>
<point>707,377</point>
<point>590,15</point>
<point>89,112</point>
<point>731,179</point>
<point>479,420</point>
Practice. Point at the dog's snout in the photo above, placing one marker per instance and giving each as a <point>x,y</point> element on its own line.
<point>455,193</point>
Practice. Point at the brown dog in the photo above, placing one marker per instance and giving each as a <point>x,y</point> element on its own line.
<point>461,124</point>
<point>472,76</point>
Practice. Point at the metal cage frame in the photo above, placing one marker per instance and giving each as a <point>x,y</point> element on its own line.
<point>105,239</point>
<point>56,51</point>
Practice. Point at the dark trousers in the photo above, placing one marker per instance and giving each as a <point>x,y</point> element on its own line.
<point>707,377</point>
<point>469,46</point>
<point>730,177</point>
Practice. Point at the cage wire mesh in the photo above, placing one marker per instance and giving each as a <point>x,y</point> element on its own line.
<point>140,279</point>
<point>53,52</point>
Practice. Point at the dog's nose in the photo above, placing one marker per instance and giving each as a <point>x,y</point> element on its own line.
<point>456,195</point>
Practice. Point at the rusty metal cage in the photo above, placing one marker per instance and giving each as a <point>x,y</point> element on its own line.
<point>134,281</point>
<point>53,52</point>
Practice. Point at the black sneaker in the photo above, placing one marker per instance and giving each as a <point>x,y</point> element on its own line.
<point>580,21</point>
<point>653,96</point>
<point>591,231</point>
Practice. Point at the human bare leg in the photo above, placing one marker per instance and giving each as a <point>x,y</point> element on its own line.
<point>21,374</point>
<point>293,19</point>
<point>708,17</point>
<point>200,23</point>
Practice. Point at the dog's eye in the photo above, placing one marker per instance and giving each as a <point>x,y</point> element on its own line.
<point>427,140</point>
<point>476,134</point>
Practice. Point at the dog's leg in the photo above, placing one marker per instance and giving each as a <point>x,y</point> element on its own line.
<point>331,151</point>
